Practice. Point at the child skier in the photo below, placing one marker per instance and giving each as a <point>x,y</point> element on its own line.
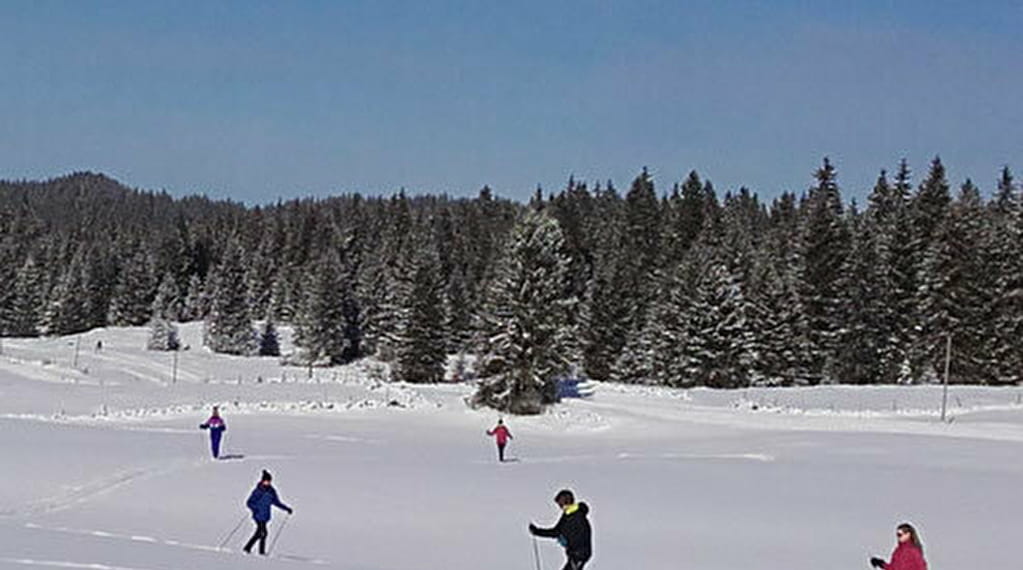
<point>501,433</point>
<point>217,427</point>
<point>262,498</point>
<point>572,530</point>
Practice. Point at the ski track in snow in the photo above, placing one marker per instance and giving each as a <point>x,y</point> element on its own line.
<point>83,493</point>
<point>157,541</point>
<point>68,564</point>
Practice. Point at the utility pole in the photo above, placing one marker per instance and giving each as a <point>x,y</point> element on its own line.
<point>948,364</point>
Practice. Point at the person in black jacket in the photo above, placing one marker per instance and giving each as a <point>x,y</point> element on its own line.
<point>572,530</point>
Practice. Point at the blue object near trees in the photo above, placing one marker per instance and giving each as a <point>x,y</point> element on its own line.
<point>575,387</point>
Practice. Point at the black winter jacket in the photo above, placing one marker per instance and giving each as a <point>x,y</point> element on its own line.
<point>573,530</point>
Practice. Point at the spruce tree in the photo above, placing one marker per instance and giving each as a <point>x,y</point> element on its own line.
<point>825,243</point>
<point>421,347</point>
<point>228,325</point>
<point>320,329</point>
<point>269,341</point>
<point>133,294</point>
<point>27,307</point>
<point>526,333</point>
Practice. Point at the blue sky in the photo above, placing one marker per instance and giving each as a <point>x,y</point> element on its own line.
<point>259,100</point>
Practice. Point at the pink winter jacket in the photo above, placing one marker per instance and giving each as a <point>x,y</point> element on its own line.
<point>907,557</point>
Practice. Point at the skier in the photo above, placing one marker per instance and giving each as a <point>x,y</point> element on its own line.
<point>217,427</point>
<point>908,554</point>
<point>503,435</point>
<point>262,498</point>
<point>572,530</point>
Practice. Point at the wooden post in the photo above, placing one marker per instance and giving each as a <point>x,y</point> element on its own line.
<point>174,374</point>
<point>948,364</point>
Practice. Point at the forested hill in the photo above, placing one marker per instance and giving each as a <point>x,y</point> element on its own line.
<point>675,285</point>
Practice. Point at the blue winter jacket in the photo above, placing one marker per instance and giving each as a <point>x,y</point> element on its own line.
<point>260,500</point>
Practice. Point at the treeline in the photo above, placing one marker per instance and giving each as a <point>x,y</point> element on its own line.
<point>678,286</point>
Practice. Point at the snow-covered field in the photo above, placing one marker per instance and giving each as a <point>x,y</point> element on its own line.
<point>103,467</point>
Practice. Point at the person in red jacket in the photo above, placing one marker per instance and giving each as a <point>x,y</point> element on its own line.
<point>501,433</point>
<point>908,554</point>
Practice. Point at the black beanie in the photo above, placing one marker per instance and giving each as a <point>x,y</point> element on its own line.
<point>266,476</point>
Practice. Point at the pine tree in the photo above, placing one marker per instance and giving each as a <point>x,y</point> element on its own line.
<point>197,302</point>
<point>67,311</point>
<point>825,243</point>
<point>26,313</point>
<point>167,304</point>
<point>928,209</point>
<point>861,352</point>
<point>421,346</point>
<point>1005,334</point>
<point>228,325</point>
<point>320,327</point>
<point>269,342</point>
<point>718,341</point>
<point>955,297</point>
<point>163,335</point>
<point>131,304</point>
<point>527,337</point>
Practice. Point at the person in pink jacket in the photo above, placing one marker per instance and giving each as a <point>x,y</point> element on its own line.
<point>502,435</point>
<point>217,428</point>
<point>908,554</point>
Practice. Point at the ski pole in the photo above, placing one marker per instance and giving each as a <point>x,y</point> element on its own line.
<point>536,554</point>
<point>277,535</point>
<point>228,537</point>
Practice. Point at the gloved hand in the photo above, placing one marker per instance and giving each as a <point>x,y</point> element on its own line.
<point>877,562</point>
<point>203,426</point>
<point>291,511</point>
<point>532,528</point>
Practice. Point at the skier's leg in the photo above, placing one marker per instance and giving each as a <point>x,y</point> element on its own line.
<point>500,453</point>
<point>255,537</point>
<point>262,538</point>
<point>215,443</point>
<point>571,564</point>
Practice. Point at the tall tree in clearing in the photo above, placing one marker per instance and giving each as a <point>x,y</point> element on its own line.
<point>527,338</point>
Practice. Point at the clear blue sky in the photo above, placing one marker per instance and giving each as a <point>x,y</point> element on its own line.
<point>259,100</point>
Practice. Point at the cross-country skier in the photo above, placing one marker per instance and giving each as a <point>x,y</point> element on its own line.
<point>908,554</point>
<point>262,498</point>
<point>502,435</point>
<point>572,530</point>
<point>217,427</point>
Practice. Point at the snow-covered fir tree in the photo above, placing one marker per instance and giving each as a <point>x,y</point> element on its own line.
<point>168,304</point>
<point>134,291</point>
<point>421,345</point>
<point>229,324</point>
<point>27,306</point>
<point>1004,343</point>
<point>825,243</point>
<point>323,326</point>
<point>527,337</point>
<point>67,310</point>
<point>163,334</point>
<point>269,340</point>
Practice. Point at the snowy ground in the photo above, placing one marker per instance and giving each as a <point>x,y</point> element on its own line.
<point>103,467</point>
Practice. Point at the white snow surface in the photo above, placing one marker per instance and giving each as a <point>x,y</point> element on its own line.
<point>104,467</point>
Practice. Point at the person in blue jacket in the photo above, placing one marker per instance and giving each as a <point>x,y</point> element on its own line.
<point>217,428</point>
<point>262,498</point>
